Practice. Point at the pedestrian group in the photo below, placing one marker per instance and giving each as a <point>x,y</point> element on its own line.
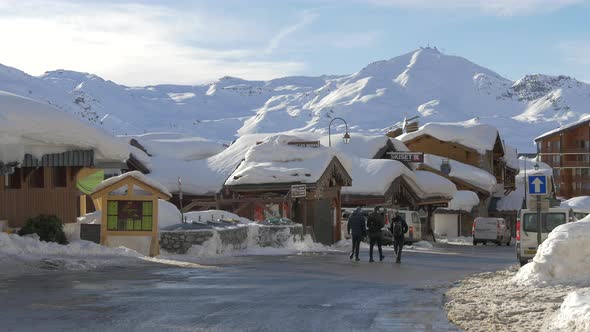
<point>359,229</point>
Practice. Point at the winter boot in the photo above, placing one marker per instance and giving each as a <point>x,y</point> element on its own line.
<point>357,258</point>
<point>351,255</point>
<point>371,260</point>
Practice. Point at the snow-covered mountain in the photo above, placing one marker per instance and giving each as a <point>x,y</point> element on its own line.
<point>425,82</point>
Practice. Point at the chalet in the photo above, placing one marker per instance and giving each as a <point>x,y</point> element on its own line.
<point>285,176</point>
<point>44,155</point>
<point>567,151</point>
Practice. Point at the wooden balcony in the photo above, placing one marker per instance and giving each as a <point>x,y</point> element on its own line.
<point>565,150</point>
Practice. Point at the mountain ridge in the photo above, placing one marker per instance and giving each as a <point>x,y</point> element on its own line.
<point>424,82</point>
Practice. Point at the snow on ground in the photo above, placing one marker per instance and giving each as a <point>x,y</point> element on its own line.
<point>28,254</point>
<point>460,240</point>
<point>532,298</point>
<point>213,215</point>
<point>564,258</point>
<point>580,202</point>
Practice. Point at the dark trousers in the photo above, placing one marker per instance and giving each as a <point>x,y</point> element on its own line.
<point>375,239</point>
<point>356,244</point>
<point>398,245</point>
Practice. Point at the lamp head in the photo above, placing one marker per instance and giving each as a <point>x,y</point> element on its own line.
<point>346,138</point>
<point>536,166</point>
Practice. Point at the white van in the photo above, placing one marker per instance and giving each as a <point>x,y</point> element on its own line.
<point>526,229</point>
<point>494,230</point>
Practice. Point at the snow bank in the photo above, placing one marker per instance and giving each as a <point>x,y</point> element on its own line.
<point>287,244</point>
<point>564,258</point>
<point>464,200</point>
<point>25,254</point>
<point>134,174</point>
<point>574,313</point>
<point>212,215</point>
<point>580,202</point>
<point>471,133</point>
<point>31,127</point>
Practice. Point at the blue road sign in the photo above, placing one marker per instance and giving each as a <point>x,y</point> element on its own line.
<point>537,184</point>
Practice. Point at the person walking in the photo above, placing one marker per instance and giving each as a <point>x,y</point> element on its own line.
<point>398,228</point>
<point>356,227</point>
<point>375,223</point>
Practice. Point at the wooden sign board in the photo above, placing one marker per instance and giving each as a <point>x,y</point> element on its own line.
<point>306,144</point>
<point>298,190</point>
<point>411,157</point>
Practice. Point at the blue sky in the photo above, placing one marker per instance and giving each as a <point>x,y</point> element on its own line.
<point>148,42</point>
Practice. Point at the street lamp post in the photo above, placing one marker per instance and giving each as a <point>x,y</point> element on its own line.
<point>346,136</point>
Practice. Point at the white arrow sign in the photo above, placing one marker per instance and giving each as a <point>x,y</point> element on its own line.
<point>537,183</point>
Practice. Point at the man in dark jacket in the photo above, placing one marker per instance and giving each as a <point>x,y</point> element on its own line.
<point>375,223</point>
<point>398,228</point>
<point>356,227</point>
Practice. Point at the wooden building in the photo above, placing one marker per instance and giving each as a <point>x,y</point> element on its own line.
<point>567,151</point>
<point>44,186</point>
<point>283,177</point>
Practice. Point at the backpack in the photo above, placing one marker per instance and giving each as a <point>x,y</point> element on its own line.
<point>372,223</point>
<point>398,229</point>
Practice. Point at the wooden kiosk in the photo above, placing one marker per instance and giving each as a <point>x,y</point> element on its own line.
<point>129,206</point>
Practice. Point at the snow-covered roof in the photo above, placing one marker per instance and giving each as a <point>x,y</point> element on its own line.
<point>375,176</point>
<point>470,174</point>
<point>511,157</point>
<point>434,185</point>
<point>581,121</point>
<point>359,145</point>
<point>464,200</point>
<point>136,175</point>
<point>178,146</point>
<point>275,161</point>
<point>513,201</point>
<point>478,136</point>
<point>31,127</point>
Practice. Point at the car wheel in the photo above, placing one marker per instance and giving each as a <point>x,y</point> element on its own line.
<point>523,263</point>
<point>485,242</point>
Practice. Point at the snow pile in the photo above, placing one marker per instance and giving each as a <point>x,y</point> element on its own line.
<point>275,161</point>
<point>459,240</point>
<point>31,127</point>
<point>574,313</point>
<point>136,175</point>
<point>213,215</point>
<point>284,243</point>
<point>564,258</point>
<point>464,200</point>
<point>21,254</point>
<point>580,203</point>
<point>422,245</point>
<point>168,214</point>
<point>471,133</point>
<point>471,174</point>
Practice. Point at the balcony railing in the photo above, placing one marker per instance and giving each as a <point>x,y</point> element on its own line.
<point>565,150</point>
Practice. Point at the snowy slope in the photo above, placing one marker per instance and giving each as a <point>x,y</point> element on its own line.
<point>424,82</point>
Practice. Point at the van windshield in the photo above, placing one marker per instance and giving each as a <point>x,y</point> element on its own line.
<point>550,221</point>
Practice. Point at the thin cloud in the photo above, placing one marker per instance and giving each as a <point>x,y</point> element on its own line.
<point>308,17</point>
<point>575,52</point>
<point>493,7</point>
<point>134,44</point>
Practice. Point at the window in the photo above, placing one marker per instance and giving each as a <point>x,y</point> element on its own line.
<point>129,215</point>
<point>550,221</point>
<point>13,181</point>
<point>37,178</point>
<point>60,178</point>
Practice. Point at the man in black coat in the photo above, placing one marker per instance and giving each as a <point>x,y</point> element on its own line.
<point>375,223</point>
<point>398,228</point>
<point>356,227</point>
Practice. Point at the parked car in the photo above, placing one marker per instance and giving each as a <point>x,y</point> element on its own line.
<point>526,229</point>
<point>493,230</point>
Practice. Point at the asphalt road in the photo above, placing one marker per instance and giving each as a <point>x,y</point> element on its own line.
<point>310,292</point>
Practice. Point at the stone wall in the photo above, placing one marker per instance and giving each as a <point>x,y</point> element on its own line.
<point>180,242</point>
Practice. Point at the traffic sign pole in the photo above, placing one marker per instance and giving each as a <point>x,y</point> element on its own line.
<point>539,223</point>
